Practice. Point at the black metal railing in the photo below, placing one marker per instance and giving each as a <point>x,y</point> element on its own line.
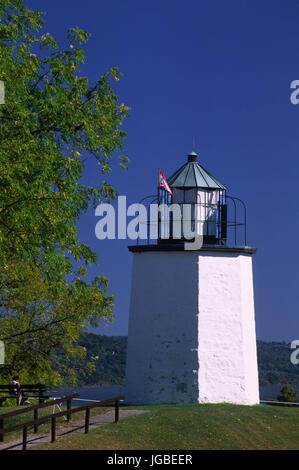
<point>223,222</point>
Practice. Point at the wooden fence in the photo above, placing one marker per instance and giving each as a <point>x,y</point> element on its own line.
<point>69,411</point>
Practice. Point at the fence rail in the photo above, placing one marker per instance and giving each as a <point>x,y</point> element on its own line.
<point>37,421</point>
<point>282,403</point>
<point>35,409</point>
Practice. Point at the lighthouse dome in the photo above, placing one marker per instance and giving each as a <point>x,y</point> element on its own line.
<point>193,175</point>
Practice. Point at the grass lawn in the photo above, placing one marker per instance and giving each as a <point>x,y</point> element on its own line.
<point>187,427</point>
<point>43,428</point>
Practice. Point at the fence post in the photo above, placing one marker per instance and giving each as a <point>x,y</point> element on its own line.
<point>68,405</point>
<point>40,394</point>
<point>35,417</point>
<point>87,416</point>
<point>53,428</point>
<point>24,438</point>
<point>116,411</point>
<point>1,427</point>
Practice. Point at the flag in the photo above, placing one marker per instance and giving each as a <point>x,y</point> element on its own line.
<point>163,183</point>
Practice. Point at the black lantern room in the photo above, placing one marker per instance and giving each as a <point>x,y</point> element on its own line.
<point>192,184</point>
<point>220,218</point>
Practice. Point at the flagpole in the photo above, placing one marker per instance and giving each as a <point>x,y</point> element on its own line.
<point>158,204</point>
<point>165,214</point>
<point>164,199</point>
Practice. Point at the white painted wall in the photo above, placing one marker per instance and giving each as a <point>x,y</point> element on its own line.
<point>191,329</point>
<point>226,330</point>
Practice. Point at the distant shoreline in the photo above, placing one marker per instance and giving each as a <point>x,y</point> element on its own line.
<point>275,367</point>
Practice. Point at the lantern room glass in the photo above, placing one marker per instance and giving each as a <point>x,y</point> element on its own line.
<point>205,205</point>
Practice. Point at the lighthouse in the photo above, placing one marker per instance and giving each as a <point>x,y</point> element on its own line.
<point>192,323</point>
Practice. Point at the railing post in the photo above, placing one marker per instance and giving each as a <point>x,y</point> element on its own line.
<point>116,411</point>
<point>68,405</point>
<point>1,428</point>
<point>87,416</point>
<point>53,428</point>
<point>24,447</point>
<point>35,417</point>
<point>40,394</point>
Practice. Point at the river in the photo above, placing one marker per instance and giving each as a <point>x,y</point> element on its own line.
<point>101,393</point>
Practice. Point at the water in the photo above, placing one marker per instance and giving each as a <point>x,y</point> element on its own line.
<point>102,393</point>
<point>90,393</point>
<point>272,391</point>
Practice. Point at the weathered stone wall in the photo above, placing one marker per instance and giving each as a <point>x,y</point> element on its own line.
<point>191,329</point>
<point>226,330</point>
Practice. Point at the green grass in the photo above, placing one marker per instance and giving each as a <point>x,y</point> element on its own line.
<point>45,427</point>
<point>172,427</point>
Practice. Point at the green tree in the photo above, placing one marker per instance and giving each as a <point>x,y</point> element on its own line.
<point>52,122</point>
<point>287,394</point>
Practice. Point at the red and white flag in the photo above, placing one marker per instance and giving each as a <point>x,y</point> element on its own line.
<point>163,183</point>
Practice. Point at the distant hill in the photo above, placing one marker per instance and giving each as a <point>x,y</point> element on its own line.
<point>111,365</point>
<point>275,367</point>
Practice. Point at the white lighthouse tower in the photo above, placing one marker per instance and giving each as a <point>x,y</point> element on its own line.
<point>192,325</point>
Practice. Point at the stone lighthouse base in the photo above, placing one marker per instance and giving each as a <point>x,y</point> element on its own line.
<point>192,327</point>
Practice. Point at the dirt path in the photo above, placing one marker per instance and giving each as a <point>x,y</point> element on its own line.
<point>75,427</point>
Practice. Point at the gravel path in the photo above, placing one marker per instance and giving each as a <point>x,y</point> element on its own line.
<point>75,427</point>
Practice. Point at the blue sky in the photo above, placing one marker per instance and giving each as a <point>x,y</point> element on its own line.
<point>220,71</point>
